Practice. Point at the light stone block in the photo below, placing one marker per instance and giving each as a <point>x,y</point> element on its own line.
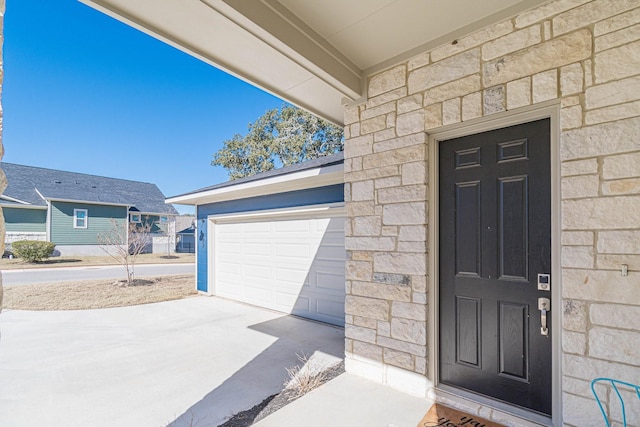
<point>370,243</point>
<point>386,98</point>
<point>546,25</point>
<point>359,333</point>
<point>587,368</point>
<point>453,89</point>
<point>351,115</point>
<point>409,123</point>
<point>384,329</point>
<point>407,193</point>
<point>578,238</point>
<point>615,261</point>
<point>571,79</point>
<point>394,157</point>
<point>576,187</point>
<point>615,315</point>
<point>519,93</point>
<point>578,257</point>
<point>444,71</point>
<point>378,110</point>
<point>414,173</point>
<point>510,43</point>
<point>407,310</point>
<point>618,38</point>
<point>391,121</point>
<point>413,233</point>
<point>359,146</point>
<point>574,342</point>
<point>571,117</point>
<point>494,100</point>
<point>368,351</point>
<point>579,387</point>
<point>392,181</point>
<point>472,106</point>
<point>404,214</point>
<point>612,93</point>
<point>389,230</point>
<point>380,172</point>
<point>622,166</point>
<point>399,359</point>
<point>384,135</point>
<point>367,307</point>
<point>408,347</point>
<point>410,103</point>
<point>603,213</point>
<point>589,73</point>
<point>574,315</point>
<point>619,242</point>
<point>569,101</point>
<point>362,190</point>
<point>545,86</point>
<point>433,116</point>
<point>358,270</point>
<point>555,53</point>
<point>418,138</point>
<point>389,292</point>
<point>618,63</point>
<point>387,81</point>
<point>594,11</point>
<point>411,331</point>
<point>364,322</point>
<point>617,22</point>
<point>419,61</point>
<point>367,226</point>
<point>546,11</point>
<point>420,247</point>
<point>579,411</point>
<point>401,263</point>
<point>476,39</point>
<point>600,140</point>
<point>614,113</point>
<point>601,285</point>
<point>611,344</point>
<point>622,186</point>
<point>419,298</point>
<point>373,125</point>
<point>451,111</point>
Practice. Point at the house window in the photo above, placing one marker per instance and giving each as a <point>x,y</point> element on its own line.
<point>136,218</point>
<point>80,217</point>
<point>164,219</point>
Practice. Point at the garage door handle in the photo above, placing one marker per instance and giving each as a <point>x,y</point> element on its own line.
<point>543,306</point>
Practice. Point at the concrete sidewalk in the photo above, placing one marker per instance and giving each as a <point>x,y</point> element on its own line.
<point>190,362</point>
<point>350,401</point>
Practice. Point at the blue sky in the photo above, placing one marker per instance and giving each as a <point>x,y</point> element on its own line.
<point>85,93</point>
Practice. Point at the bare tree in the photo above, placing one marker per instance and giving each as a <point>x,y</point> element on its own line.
<point>124,242</point>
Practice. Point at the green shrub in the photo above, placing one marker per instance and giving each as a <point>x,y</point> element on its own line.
<point>32,250</point>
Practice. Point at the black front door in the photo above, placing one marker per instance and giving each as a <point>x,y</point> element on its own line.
<point>495,238</point>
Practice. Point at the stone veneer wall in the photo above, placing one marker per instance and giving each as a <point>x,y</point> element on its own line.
<point>586,55</point>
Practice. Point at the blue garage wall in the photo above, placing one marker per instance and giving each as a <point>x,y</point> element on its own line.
<point>312,196</point>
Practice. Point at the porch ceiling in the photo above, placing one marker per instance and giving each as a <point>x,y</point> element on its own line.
<point>315,54</point>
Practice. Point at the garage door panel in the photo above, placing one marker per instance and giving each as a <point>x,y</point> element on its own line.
<point>294,265</point>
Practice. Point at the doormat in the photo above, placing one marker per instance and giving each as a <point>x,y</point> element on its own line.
<point>444,416</point>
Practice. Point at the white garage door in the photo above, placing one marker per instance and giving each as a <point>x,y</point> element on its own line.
<point>294,265</point>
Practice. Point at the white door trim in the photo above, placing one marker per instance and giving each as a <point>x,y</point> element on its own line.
<point>550,110</point>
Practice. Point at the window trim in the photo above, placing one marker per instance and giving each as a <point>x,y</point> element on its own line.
<point>132,220</point>
<point>163,219</point>
<point>76,218</point>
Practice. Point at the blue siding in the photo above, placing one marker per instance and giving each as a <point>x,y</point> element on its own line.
<point>312,196</point>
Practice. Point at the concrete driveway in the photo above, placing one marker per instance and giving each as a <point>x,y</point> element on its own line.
<point>191,362</point>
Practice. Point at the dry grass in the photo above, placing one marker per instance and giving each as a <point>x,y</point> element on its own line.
<point>305,377</point>
<point>84,295</point>
<point>82,261</point>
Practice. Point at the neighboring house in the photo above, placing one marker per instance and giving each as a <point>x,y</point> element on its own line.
<point>492,153</point>
<point>72,209</point>
<point>185,236</point>
<point>276,239</point>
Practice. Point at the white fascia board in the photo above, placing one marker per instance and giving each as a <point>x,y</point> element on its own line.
<point>311,178</point>
<point>11,199</point>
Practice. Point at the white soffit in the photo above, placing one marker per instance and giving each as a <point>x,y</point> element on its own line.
<point>314,54</point>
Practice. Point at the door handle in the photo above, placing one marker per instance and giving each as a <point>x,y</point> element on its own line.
<point>543,305</point>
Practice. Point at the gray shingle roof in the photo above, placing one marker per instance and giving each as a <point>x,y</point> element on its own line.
<point>25,182</point>
<point>332,159</point>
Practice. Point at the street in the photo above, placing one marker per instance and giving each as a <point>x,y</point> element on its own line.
<point>45,275</point>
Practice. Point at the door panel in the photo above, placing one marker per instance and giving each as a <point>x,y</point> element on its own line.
<point>495,237</point>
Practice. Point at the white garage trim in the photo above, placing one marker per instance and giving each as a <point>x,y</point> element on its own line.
<point>290,260</point>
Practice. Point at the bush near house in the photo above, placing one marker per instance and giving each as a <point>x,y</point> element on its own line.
<point>32,250</point>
